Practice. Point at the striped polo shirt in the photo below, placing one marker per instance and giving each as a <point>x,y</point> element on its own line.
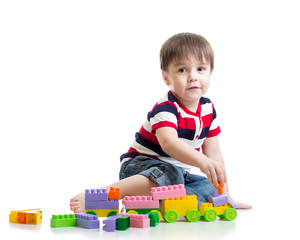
<point>193,128</point>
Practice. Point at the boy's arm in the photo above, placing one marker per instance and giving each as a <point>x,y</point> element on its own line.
<point>212,150</point>
<point>178,149</point>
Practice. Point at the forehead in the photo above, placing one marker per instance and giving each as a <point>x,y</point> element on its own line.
<point>190,59</point>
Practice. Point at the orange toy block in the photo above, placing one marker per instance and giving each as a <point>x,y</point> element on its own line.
<point>114,193</point>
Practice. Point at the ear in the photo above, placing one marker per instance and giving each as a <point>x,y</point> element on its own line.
<point>166,78</point>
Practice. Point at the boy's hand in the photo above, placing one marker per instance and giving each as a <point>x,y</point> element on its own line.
<point>215,171</point>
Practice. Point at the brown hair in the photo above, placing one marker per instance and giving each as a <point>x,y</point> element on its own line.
<point>185,44</point>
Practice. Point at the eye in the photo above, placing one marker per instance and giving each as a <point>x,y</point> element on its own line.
<point>181,70</point>
<point>201,69</point>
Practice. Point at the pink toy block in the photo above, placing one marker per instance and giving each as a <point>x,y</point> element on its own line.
<point>136,202</point>
<point>137,220</point>
<point>160,193</point>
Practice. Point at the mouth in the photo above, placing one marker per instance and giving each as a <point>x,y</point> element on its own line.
<point>193,88</point>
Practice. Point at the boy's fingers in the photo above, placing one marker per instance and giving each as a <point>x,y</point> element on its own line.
<point>214,178</point>
<point>222,179</point>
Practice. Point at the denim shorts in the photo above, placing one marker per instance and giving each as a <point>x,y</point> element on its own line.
<point>163,174</point>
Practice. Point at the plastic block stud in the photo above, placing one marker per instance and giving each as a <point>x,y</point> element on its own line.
<point>160,193</point>
<point>114,193</point>
<point>87,221</point>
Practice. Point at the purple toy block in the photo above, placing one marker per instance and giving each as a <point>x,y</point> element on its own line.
<point>110,224</point>
<point>85,220</point>
<point>93,195</point>
<point>233,205</point>
<point>109,204</point>
<point>218,199</point>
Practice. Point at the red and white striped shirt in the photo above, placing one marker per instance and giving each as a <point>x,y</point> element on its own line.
<point>193,128</point>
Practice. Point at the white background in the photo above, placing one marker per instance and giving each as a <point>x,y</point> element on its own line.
<point>77,79</point>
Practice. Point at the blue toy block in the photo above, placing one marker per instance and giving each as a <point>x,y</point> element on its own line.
<point>110,204</point>
<point>110,224</point>
<point>93,195</point>
<point>85,220</point>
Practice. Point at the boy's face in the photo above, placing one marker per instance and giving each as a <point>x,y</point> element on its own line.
<point>188,79</point>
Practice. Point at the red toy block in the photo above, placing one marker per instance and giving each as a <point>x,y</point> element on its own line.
<point>114,193</point>
<point>136,202</point>
<point>160,193</point>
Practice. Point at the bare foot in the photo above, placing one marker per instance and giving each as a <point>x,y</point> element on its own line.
<point>77,203</point>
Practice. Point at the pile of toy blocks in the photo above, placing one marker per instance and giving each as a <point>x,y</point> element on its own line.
<point>123,221</point>
<point>29,216</point>
<point>102,203</point>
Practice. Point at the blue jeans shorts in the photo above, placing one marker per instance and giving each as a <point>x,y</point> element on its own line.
<point>163,174</point>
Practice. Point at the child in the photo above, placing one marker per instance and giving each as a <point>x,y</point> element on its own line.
<point>181,124</point>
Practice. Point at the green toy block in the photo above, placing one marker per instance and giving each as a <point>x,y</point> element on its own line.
<point>154,219</point>
<point>67,220</point>
<point>123,223</point>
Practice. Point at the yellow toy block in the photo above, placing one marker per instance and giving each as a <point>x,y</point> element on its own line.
<point>33,216</point>
<point>220,209</point>
<point>181,205</point>
<point>101,212</point>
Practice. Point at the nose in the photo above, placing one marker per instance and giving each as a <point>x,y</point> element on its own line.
<point>193,76</point>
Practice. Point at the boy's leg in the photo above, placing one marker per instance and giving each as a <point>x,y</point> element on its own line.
<point>137,185</point>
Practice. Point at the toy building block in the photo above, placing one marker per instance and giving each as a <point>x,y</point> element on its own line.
<point>93,195</point>
<point>108,204</point>
<point>123,222</point>
<point>110,224</point>
<point>181,205</point>
<point>67,220</point>
<point>154,218</point>
<point>160,193</point>
<point>219,188</point>
<point>218,199</point>
<point>87,221</point>
<point>137,220</point>
<point>136,202</point>
<point>209,212</point>
<point>114,193</point>
<point>29,216</point>
<point>102,212</point>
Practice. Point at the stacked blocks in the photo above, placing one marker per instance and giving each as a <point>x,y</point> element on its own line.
<point>175,191</point>
<point>87,221</point>
<point>29,216</point>
<point>97,201</point>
